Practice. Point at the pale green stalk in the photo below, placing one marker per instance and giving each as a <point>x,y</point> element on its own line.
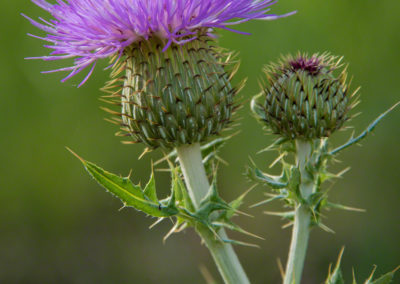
<point>198,186</point>
<point>302,218</point>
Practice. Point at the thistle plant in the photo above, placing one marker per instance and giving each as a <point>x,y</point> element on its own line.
<point>304,101</point>
<point>171,87</point>
<point>173,90</point>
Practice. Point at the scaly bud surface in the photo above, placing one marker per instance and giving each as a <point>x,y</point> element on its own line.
<point>304,98</point>
<point>170,98</point>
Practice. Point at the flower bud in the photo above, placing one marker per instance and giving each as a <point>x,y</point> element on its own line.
<point>303,97</point>
<point>177,96</point>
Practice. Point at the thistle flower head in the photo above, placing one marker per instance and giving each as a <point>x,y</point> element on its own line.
<point>88,30</point>
<point>180,96</point>
<point>305,96</point>
<point>172,85</point>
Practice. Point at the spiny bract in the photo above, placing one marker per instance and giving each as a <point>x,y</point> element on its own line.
<point>304,98</point>
<point>180,96</point>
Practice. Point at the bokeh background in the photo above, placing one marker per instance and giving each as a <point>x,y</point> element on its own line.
<point>58,226</point>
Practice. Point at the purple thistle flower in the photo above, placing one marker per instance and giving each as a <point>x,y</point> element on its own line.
<point>88,30</point>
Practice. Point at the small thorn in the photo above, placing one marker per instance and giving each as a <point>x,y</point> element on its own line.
<point>340,174</point>
<point>244,213</point>
<point>170,232</point>
<point>372,274</point>
<point>279,214</point>
<point>76,155</point>
<point>130,173</point>
<point>277,160</point>
<point>287,225</point>
<point>207,275</point>
<point>281,270</point>
<point>147,150</point>
<point>326,228</point>
<point>159,220</point>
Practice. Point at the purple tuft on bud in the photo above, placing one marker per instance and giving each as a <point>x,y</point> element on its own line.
<point>312,65</point>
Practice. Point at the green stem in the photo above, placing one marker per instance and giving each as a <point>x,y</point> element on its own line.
<point>302,218</point>
<point>198,186</point>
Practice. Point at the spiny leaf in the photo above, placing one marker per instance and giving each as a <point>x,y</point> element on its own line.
<point>354,278</point>
<point>179,188</point>
<point>336,276</point>
<point>211,202</point>
<point>295,180</point>
<point>233,208</point>
<point>232,226</point>
<point>368,130</point>
<point>384,279</point>
<point>235,204</point>
<point>324,176</point>
<point>150,188</point>
<point>122,187</point>
<point>275,182</point>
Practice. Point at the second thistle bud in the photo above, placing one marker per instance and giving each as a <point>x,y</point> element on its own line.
<point>303,97</point>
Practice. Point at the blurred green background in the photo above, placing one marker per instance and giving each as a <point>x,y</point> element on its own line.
<point>58,226</point>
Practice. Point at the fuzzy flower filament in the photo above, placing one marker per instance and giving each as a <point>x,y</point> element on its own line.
<point>88,30</point>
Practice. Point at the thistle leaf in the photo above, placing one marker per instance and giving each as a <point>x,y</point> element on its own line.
<point>150,188</point>
<point>130,194</point>
<point>367,131</point>
<point>212,202</point>
<point>275,182</point>
<point>384,279</point>
<point>336,276</point>
<point>179,188</point>
<point>295,180</point>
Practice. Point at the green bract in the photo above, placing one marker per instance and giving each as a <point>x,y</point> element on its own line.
<point>303,97</point>
<point>182,95</point>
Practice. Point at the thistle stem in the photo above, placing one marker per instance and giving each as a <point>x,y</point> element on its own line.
<point>302,218</point>
<point>198,186</point>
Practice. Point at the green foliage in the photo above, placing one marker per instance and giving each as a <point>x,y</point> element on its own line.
<point>214,213</point>
<point>286,185</point>
<point>364,134</point>
<point>336,277</point>
<point>131,195</point>
<point>384,279</point>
